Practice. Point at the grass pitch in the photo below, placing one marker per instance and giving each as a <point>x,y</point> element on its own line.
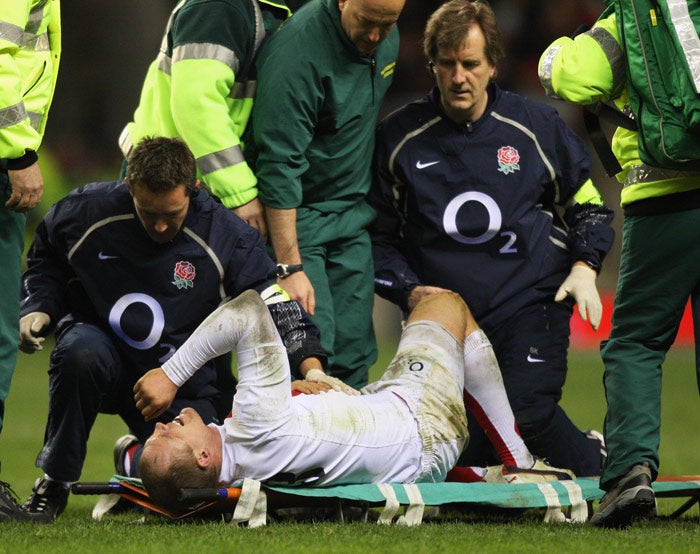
<point>75,531</point>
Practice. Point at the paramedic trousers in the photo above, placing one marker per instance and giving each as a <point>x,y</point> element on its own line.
<point>659,272</point>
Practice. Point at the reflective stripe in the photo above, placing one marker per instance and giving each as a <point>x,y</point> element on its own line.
<point>646,174</point>
<point>36,16</point>
<point>221,159</point>
<point>616,58</point>
<point>125,144</point>
<point>38,43</point>
<point>244,90</point>
<point>35,120</point>
<point>11,33</point>
<point>259,27</point>
<point>545,72</point>
<point>164,62</point>
<point>12,115</point>
<point>207,51</point>
<point>687,36</point>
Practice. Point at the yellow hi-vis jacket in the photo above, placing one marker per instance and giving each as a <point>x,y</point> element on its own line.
<point>30,50</point>
<point>591,68</point>
<point>201,86</point>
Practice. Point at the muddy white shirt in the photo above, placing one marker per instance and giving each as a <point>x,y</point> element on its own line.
<point>407,427</point>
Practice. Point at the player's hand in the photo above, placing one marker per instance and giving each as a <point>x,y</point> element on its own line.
<point>31,328</point>
<point>253,213</point>
<point>309,387</point>
<point>154,393</point>
<point>318,376</point>
<point>299,288</point>
<point>419,292</point>
<point>580,284</point>
<point>27,188</point>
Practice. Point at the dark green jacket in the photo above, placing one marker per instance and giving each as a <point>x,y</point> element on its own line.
<point>314,120</point>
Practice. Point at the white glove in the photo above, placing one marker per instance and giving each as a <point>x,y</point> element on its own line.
<point>318,376</point>
<point>580,284</point>
<point>30,328</point>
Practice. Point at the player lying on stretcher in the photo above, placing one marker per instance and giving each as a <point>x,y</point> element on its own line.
<point>408,427</point>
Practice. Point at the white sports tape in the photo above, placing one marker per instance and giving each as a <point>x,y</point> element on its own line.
<point>251,506</point>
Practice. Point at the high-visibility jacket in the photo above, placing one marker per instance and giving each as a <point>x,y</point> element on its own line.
<point>30,50</point>
<point>201,86</point>
<point>591,68</point>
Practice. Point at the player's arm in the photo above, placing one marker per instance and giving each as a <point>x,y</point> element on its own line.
<point>394,279</point>
<point>48,273</point>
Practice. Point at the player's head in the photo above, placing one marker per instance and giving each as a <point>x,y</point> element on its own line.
<point>178,456</point>
<point>161,164</point>
<point>369,22</point>
<point>161,177</point>
<point>463,46</point>
<point>448,27</point>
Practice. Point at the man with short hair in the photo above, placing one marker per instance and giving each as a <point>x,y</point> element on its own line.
<point>408,427</point>
<point>125,271</point>
<point>469,181</point>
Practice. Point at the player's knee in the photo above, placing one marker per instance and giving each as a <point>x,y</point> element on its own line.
<point>445,308</point>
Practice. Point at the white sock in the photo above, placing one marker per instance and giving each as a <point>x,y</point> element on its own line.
<point>486,399</point>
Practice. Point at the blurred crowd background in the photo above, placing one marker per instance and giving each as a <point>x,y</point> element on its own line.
<point>107,48</point>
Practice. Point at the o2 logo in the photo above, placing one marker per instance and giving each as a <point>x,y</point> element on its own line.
<point>156,331</point>
<point>493,229</point>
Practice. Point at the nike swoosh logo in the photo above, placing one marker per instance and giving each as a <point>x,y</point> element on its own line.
<point>531,359</point>
<point>420,165</point>
<point>102,256</point>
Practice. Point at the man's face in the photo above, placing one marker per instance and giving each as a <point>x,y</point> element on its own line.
<point>462,76</point>
<point>187,427</point>
<point>368,22</point>
<point>162,213</point>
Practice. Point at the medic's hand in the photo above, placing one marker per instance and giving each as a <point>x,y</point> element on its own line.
<point>154,393</point>
<point>580,284</point>
<point>420,292</point>
<point>27,188</point>
<point>31,327</point>
<point>318,376</point>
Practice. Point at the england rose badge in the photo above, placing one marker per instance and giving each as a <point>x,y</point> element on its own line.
<point>508,158</point>
<point>184,275</point>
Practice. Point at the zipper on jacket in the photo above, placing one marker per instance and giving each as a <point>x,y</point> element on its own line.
<point>372,72</point>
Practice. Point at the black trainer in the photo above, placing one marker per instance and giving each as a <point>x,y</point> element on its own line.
<point>630,499</point>
<point>120,448</point>
<point>10,510</point>
<point>47,502</point>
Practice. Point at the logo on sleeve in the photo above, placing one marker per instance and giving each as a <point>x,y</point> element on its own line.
<point>184,275</point>
<point>508,158</point>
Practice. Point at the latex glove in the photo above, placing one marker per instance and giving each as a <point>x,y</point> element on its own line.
<point>31,327</point>
<point>318,376</point>
<point>580,284</point>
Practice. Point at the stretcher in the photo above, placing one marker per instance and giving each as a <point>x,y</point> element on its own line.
<point>251,502</point>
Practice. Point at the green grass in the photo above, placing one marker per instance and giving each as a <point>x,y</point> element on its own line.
<point>75,531</point>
